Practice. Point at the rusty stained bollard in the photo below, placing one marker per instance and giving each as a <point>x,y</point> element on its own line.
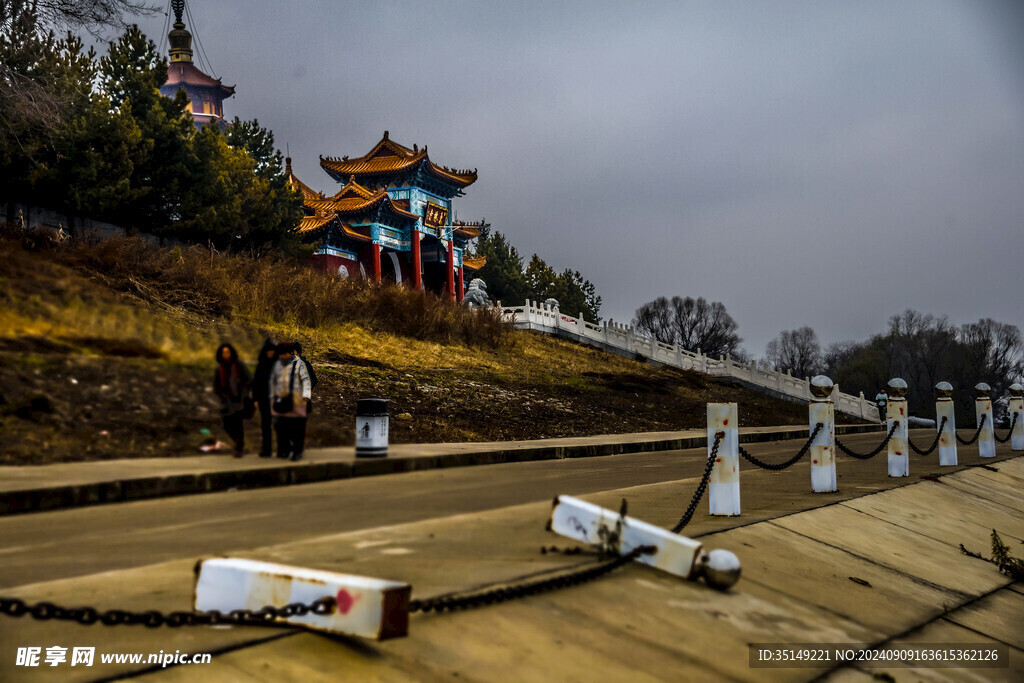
<point>615,532</point>
<point>823,448</point>
<point>896,413</point>
<point>983,410</point>
<point>364,606</point>
<point>1016,409</point>
<point>944,409</point>
<point>724,482</point>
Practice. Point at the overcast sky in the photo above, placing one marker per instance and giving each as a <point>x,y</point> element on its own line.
<point>806,163</point>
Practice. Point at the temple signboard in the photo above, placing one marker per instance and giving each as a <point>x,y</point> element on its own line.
<point>435,215</point>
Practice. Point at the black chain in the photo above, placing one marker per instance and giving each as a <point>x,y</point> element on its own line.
<point>938,435</point>
<point>451,603</point>
<point>699,493</point>
<point>866,456</point>
<point>974,438</point>
<point>1013,423</point>
<point>152,619</point>
<point>776,467</point>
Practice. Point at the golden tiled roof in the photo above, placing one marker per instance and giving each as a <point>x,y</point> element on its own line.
<point>355,234</point>
<point>388,158</point>
<point>308,193</point>
<point>315,223</point>
<point>474,263</point>
<point>467,231</point>
<point>353,198</point>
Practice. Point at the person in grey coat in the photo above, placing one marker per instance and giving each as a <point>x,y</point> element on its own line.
<point>290,393</point>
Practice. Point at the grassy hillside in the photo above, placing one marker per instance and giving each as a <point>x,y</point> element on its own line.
<point>106,351</point>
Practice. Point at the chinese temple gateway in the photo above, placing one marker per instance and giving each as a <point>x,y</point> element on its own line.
<point>391,219</point>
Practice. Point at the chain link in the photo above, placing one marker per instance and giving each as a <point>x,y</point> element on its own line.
<point>974,438</point>
<point>935,444</point>
<point>699,493</point>
<point>776,467</point>
<point>1013,423</point>
<point>451,603</point>
<point>87,616</point>
<point>866,456</point>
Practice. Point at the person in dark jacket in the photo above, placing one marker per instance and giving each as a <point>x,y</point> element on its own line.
<point>231,383</point>
<point>261,394</point>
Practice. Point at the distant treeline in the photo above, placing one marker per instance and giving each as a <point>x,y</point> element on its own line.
<point>921,349</point>
<point>92,136</point>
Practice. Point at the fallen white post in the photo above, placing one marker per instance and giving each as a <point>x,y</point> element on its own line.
<point>896,413</point>
<point>620,534</point>
<point>944,408</point>
<point>724,482</point>
<point>983,410</point>
<point>823,451</point>
<point>1016,409</point>
<point>365,607</point>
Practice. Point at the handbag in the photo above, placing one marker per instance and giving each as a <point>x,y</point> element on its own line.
<point>285,404</point>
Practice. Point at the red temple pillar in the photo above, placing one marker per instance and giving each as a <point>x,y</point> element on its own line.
<point>451,269</point>
<point>462,284</point>
<point>376,262</point>
<point>417,266</point>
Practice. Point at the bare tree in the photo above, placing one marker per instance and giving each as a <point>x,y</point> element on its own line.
<point>706,326</point>
<point>655,320</point>
<point>993,352</point>
<point>693,324</point>
<point>93,16</point>
<point>29,98</point>
<point>797,351</point>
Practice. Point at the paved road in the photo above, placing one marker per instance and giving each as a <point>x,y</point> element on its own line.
<point>62,544</point>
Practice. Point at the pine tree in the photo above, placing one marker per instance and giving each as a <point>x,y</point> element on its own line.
<point>131,75</point>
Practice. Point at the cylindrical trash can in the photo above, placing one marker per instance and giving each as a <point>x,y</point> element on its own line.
<point>371,428</point>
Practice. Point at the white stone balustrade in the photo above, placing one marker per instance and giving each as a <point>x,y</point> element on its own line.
<point>624,339</point>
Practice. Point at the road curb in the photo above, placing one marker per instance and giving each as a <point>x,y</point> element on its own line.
<point>143,488</point>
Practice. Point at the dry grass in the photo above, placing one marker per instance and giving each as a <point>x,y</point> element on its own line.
<point>118,338</point>
<point>284,294</point>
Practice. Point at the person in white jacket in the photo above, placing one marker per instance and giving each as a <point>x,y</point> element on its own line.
<point>290,393</point>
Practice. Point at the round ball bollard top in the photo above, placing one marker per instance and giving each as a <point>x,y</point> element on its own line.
<point>1017,390</point>
<point>821,386</point>
<point>720,569</point>
<point>943,390</point>
<point>982,390</point>
<point>897,388</point>
<point>371,428</point>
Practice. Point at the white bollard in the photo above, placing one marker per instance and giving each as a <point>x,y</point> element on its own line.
<point>983,409</point>
<point>896,413</point>
<point>724,483</point>
<point>617,533</point>
<point>1016,408</point>
<point>823,452</point>
<point>944,408</point>
<point>364,607</point>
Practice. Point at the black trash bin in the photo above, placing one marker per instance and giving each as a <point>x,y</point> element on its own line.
<point>371,428</point>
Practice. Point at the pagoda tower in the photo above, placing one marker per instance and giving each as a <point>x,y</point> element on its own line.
<point>206,95</point>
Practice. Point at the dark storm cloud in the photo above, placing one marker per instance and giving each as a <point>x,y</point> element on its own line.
<point>806,163</point>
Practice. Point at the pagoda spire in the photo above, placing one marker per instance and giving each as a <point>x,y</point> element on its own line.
<point>179,39</point>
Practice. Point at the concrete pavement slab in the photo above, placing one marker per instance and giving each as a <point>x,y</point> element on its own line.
<point>896,547</point>
<point>635,621</point>
<point>859,589</point>
<point>944,631</point>
<point>969,520</point>
<point>981,484</point>
<point>1000,616</point>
